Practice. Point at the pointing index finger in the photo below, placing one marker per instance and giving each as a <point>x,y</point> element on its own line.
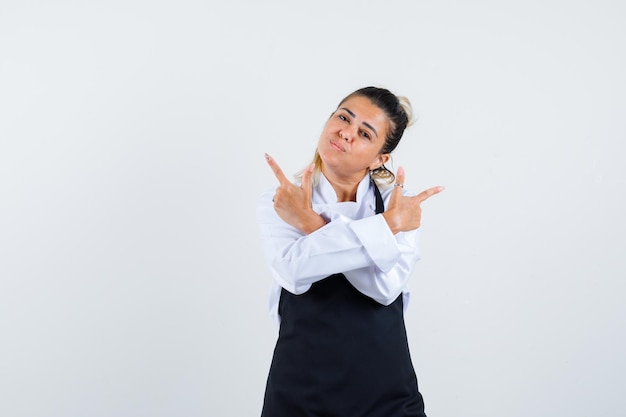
<point>426,194</point>
<point>280,176</point>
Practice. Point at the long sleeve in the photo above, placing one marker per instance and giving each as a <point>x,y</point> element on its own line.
<point>385,284</point>
<point>355,242</point>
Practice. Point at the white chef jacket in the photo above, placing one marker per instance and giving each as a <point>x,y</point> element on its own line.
<point>356,242</point>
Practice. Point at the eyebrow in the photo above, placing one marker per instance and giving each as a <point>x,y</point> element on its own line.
<point>369,126</point>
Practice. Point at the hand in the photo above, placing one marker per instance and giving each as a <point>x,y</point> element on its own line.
<point>405,213</point>
<point>293,203</point>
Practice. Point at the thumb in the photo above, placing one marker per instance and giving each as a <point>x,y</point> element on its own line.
<point>399,184</point>
<point>397,194</point>
<point>306,184</point>
<point>400,177</point>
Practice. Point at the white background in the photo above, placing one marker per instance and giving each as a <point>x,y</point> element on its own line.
<point>132,136</point>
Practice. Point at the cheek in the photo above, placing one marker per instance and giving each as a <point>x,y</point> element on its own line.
<point>326,130</point>
<point>382,146</point>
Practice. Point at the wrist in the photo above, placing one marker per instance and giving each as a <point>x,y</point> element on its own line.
<point>391,223</point>
<point>312,222</point>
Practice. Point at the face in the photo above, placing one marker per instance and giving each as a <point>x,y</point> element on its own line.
<point>353,137</point>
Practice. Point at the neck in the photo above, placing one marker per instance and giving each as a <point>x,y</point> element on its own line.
<point>345,187</point>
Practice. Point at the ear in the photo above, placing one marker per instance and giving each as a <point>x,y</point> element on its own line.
<point>381,159</point>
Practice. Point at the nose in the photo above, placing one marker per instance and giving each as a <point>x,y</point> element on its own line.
<point>347,134</point>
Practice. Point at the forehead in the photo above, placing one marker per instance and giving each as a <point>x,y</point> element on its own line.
<point>366,111</point>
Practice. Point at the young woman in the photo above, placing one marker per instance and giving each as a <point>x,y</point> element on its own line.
<point>341,250</point>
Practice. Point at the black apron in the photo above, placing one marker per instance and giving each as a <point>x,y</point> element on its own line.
<point>341,354</point>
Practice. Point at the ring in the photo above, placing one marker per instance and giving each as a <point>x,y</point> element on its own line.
<point>398,185</point>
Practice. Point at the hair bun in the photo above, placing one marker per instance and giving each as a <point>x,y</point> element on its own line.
<point>407,108</point>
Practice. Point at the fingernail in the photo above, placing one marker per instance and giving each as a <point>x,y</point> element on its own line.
<point>267,157</point>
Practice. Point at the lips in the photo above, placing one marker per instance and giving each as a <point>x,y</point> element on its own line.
<point>337,146</point>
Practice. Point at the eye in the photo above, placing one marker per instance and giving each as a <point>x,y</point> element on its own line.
<point>342,117</point>
<point>365,134</point>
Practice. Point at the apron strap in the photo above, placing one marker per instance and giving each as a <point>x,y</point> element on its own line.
<point>380,207</point>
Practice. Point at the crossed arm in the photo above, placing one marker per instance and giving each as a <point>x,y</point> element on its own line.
<point>376,253</point>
